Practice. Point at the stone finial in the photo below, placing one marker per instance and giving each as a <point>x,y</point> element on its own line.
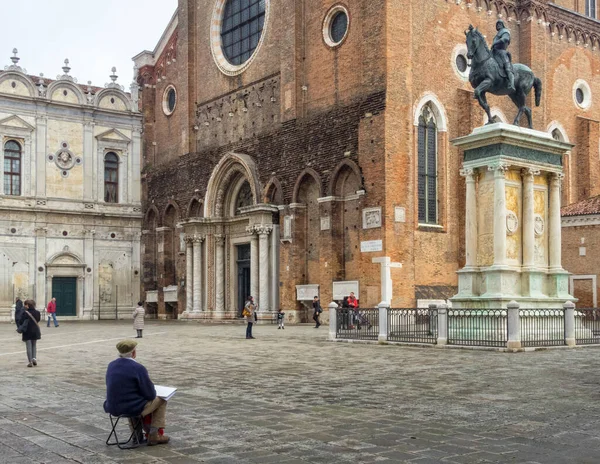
<point>66,67</point>
<point>15,63</point>
<point>113,78</point>
<point>15,59</point>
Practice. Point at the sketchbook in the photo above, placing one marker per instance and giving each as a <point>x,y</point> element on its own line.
<point>166,393</point>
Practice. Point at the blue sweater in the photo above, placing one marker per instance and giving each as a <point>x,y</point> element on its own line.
<point>128,387</point>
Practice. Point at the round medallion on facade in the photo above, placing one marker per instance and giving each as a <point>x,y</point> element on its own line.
<point>64,159</point>
<point>335,26</point>
<point>169,100</point>
<point>512,222</point>
<point>236,33</point>
<point>582,94</point>
<point>538,225</point>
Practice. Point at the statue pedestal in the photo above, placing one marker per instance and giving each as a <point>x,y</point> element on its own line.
<point>513,223</point>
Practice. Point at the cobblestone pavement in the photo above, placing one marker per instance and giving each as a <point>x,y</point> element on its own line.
<point>292,397</point>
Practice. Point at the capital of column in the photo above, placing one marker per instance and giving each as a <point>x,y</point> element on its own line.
<point>467,172</point>
<point>197,238</point>
<point>556,177</point>
<point>264,229</point>
<point>251,229</point>
<point>499,168</point>
<point>528,173</point>
<point>219,239</point>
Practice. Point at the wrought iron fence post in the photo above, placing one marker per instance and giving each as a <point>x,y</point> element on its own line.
<point>569,308</point>
<point>514,326</point>
<point>333,320</point>
<point>383,322</point>
<point>442,322</point>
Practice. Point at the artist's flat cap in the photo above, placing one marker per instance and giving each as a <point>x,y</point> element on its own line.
<point>126,346</point>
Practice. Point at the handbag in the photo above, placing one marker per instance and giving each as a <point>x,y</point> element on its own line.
<point>32,318</point>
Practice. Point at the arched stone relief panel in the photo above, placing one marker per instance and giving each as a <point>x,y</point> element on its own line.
<point>14,83</point>
<point>345,173</point>
<point>195,208</point>
<point>273,193</point>
<point>112,99</point>
<point>308,172</point>
<point>67,92</point>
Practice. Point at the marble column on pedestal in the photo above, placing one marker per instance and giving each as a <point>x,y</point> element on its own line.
<point>189,273</point>
<point>528,228</point>
<point>219,272</point>
<point>253,262</point>
<point>470,217</point>
<point>263,250</point>
<point>499,213</point>
<point>197,273</point>
<point>554,226</point>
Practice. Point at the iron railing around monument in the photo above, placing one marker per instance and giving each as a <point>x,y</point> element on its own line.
<point>587,326</point>
<point>412,325</point>
<point>478,327</point>
<point>542,327</point>
<point>357,324</point>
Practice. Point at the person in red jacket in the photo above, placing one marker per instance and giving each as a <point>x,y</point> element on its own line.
<point>51,310</point>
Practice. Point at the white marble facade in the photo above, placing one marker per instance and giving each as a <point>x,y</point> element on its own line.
<point>54,220</point>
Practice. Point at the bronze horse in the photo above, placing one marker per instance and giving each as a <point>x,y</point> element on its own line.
<point>485,76</point>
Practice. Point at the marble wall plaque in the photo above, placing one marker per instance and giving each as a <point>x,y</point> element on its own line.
<point>343,288</point>
<point>152,296</point>
<point>399,214</point>
<point>170,293</point>
<point>371,246</point>
<point>287,227</point>
<point>307,292</point>
<point>371,218</point>
<point>325,223</point>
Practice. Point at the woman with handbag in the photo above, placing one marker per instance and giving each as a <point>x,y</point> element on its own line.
<point>31,330</point>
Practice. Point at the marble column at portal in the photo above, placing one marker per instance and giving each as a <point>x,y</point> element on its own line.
<point>470,217</point>
<point>189,274</point>
<point>528,217</point>
<point>219,273</point>
<point>554,236</point>
<point>253,262</point>
<point>263,248</point>
<point>499,170</point>
<point>197,273</point>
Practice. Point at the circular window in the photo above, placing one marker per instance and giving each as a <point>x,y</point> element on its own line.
<point>335,26</point>
<point>65,233</point>
<point>460,63</point>
<point>240,24</point>
<point>582,94</point>
<point>113,235</point>
<point>13,231</point>
<point>169,100</point>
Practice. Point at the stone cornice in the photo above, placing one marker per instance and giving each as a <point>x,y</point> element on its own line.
<point>580,221</point>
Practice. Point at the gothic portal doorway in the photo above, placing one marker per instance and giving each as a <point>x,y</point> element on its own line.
<point>243,279</point>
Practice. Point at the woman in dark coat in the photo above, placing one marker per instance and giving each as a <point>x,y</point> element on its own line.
<point>32,332</point>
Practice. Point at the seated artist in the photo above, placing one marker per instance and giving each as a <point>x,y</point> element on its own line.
<point>130,392</point>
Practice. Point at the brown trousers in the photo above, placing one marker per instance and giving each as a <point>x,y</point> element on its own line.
<point>158,408</point>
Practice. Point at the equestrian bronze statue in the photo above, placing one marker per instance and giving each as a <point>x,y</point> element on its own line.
<point>492,71</point>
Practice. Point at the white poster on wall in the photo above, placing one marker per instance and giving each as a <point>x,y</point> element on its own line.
<point>342,289</point>
<point>371,246</point>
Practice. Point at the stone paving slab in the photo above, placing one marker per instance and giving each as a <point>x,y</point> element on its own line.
<point>292,397</point>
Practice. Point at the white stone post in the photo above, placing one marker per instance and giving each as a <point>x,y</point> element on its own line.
<point>528,217</point>
<point>499,213</point>
<point>189,273</point>
<point>263,248</point>
<point>386,277</point>
<point>333,320</point>
<point>197,272</point>
<point>219,273</point>
<point>383,321</point>
<point>253,262</point>
<point>514,326</point>
<point>13,309</point>
<point>569,308</point>
<point>554,237</point>
<point>470,218</point>
<point>442,323</point>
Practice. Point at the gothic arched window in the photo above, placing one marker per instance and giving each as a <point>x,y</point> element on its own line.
<point>427,168</point>
<point>111,178</point>
<point>12,168</point>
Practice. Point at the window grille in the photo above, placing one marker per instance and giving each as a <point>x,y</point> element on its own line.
<point>427,168</point>
<point>242,25</point>
<point>12,168</point>
<point>111,178</point>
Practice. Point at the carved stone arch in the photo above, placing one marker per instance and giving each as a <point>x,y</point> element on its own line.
<point>339,169</point>
<point>56,85</point>
<point>171,205</point>
<point>22,78</point>
<point>228,169</point>
<point>307,172</point>
<point>436,106</point>
<point>105,94</point>
<point>273,193</point>
<point>557,126</point>
<point>195,207</point>
<point>524,15</point>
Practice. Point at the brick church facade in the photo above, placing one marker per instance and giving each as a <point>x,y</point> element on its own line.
<point>287,144</point>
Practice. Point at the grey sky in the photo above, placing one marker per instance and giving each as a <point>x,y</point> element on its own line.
<point>93,35</point>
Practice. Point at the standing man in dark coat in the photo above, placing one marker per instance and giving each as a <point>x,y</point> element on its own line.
<point>18,310</point>
<point>130,392</point>
<point>317,310</point>
<point>31,330</point>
